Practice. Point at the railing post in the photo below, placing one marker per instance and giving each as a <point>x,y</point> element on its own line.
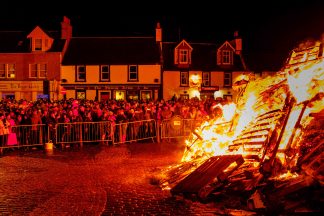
<point>81,138</point>
<point>158,132</point>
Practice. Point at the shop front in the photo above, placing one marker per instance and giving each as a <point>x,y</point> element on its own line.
<point>117,92</point>
<point>208,92</point>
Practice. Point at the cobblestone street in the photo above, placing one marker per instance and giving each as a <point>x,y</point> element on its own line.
<point>97,180</point>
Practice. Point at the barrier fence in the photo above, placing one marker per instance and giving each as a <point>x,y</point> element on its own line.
<point>77,133</point>
<point>134,131</point>
<point>177,127</point>
<point>25,136</point>
<point>105,132</point>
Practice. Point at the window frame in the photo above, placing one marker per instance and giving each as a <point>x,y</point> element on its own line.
<point>38,44</point>
<point>227,57</point>
<point>101,79</point>
<point>183,56</point>
<point>227,80</point>
<point>6,70</point>
<point>80,90</point>
<point>204,79</point>
<point>186,74</point>
<point>129,73</point>
<point>38,70</point>
<point>77,73</point>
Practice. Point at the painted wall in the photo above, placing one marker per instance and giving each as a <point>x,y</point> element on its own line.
<point>22,61</point>
<point>118,74</point>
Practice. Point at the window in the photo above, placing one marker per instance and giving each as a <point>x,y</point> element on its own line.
<point>80,94</point>
<point>146,94</point>
<point>7,70</point>
<point>227,79</point>
<point>38,44</point>
<point>183,56</point>
<point>184,78</point>
<point>104,73</point>
<point>227,57</point>
<point>132,73</point>
<point>38,71</point>
<point>81,73</point>
<point>206,79</point>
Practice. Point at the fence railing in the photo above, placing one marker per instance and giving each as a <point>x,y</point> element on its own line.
<point>106,132</point>
<point>82,132</point>
<point>78,133</point>
<point>177,127</point>
<point>25,136</point>
<point>134,131</point>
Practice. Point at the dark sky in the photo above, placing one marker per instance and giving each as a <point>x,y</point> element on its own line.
<point>269,29</point>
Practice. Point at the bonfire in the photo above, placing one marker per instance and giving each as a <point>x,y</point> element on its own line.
<point>267,147</point>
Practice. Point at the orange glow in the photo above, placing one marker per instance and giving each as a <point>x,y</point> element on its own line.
<point>244,126</point>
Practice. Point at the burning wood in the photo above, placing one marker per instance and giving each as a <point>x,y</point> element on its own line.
<point>275,140</point>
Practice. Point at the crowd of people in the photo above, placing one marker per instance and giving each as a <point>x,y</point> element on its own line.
<point>23,112</point>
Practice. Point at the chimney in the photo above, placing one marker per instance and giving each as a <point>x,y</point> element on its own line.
<point>66,28</point>
<point>158,33</point>
<point>238,43</point>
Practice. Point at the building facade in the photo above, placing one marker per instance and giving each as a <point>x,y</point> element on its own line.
<point>121,68</point>
<point>30,64</point>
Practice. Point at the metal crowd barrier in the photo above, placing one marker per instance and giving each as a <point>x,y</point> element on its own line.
<point>80,132</point>
<point>25,136</point>
<point>178,127</point>
<point>134,131</point>
<point>83,132</point>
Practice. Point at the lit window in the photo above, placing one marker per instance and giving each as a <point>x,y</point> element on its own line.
<point>38,71</point>
<point>132,73</point>
<point>38,44</point>
<point>104,73</point>
<point>81,73</point>
<point>80,94</point>
<point>183,56</point>
<point>7,71</point>
<point>184,78</point>
<point>227,57</point>
<point>227,79</point>
<point>205,79</point>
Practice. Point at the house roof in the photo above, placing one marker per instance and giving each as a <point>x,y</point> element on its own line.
<point>17,42</point>
<point>112,50</point>
<point>204,57</point>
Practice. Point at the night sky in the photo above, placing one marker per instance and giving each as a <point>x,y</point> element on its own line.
<point>269,29</point>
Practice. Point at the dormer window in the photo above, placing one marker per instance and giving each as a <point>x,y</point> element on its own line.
<point>225,54</point>
<point>183,56</point>
<point>39,40</point>
<point>38,44</point>
<point>227,57</point>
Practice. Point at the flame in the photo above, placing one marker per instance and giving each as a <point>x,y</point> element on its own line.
<point>307,81</point>
<point>261,96</point>
<point>286,176</point>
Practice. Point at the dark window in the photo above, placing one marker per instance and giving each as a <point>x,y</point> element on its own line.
<point>206,79</point>
<point>105,73</point>
<point>184,78</point>
<point>227,79</point>
<point>81,73</point>
<point>132,73</point>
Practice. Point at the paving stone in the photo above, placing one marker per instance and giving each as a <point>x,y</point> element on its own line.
<point>94,180</point>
